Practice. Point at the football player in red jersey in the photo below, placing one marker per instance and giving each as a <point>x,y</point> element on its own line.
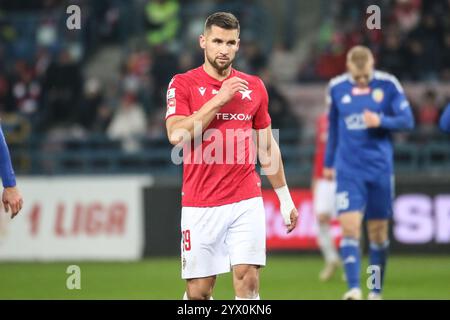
<point>223,218</point>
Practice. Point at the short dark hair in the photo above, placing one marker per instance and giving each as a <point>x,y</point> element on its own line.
<point>224,20</point>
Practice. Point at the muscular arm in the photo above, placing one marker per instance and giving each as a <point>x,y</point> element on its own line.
<point>178,126</point>
<point>269,156</point>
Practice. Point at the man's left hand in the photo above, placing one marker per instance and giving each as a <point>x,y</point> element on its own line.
<point>12,199</point>
<point>294,217</point>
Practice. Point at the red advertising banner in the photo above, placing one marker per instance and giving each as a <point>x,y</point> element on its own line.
<point>304,236</point>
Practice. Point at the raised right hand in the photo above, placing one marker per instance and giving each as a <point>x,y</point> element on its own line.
<point>229,89</point>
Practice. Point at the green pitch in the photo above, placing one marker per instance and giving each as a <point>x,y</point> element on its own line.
<point>285,277</point>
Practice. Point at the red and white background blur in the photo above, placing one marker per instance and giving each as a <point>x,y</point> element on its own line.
<point>303,237</point>
<point>107,218</point>
<point>418,219</point>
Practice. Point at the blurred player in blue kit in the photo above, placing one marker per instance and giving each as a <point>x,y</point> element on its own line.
<point>11,197</point>
<point>444,122</point>
<point>365,106</point>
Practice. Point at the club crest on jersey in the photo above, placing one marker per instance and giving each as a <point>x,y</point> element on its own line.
<point>378,95</point>
<point>246,94</point>
<point>202,90</point>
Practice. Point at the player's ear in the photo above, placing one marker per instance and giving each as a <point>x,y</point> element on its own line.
<point>202,41</point>
<point>238,43</point>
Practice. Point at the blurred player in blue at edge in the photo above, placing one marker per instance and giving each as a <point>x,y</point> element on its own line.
<point>444,123</point>
<point>365,106</point>
<point>11,198</point>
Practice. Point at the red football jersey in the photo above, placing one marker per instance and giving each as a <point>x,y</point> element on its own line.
<point>233,176</point>
<point>321,142</point>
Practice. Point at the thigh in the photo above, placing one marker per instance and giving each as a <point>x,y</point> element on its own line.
<point>246,236</point>
<point>203,250</point>
<point>351,194</point>
<point>380,197</point>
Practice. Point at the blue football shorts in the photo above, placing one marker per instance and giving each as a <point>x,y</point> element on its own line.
<point>373,197</point>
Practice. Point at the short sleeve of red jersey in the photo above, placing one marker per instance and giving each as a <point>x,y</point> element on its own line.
<point>177,98</point>
<point>262,119</point>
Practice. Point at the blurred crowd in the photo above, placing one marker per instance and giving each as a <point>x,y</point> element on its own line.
<point>413,42</point>
<point>43,65</point>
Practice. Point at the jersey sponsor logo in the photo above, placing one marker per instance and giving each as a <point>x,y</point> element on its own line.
<point>378,95</point>
<point>355,121</point>
<point>346,99</point>
<point>234,116</point>
<point>356,91</point>
<point>202,90</point>
<point>215,91</point>
<point>246,94</point>
<point>171,93</point>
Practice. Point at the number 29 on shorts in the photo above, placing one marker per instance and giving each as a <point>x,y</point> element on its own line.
<point>187,240</point>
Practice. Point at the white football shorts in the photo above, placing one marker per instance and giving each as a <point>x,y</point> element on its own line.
<point>325,197</point>
<point>216,238</point>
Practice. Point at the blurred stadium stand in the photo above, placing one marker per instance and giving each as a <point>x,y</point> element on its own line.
<point>92,100</point>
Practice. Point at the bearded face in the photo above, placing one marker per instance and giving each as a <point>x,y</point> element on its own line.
<point>220,46</point>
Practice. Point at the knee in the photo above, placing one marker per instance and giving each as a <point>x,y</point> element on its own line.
<point>198,291</point>
<point>198,295</point>
<point>378,237</point>
<point>378,233</point>
<point>351,231</point>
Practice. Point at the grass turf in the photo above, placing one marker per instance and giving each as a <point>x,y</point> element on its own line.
<point>285,277</point>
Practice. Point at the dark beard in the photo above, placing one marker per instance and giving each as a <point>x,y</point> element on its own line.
<point>219,68</point>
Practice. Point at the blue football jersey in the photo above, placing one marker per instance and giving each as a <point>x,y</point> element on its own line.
<point>444,122</point>
<point>352,147</point>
